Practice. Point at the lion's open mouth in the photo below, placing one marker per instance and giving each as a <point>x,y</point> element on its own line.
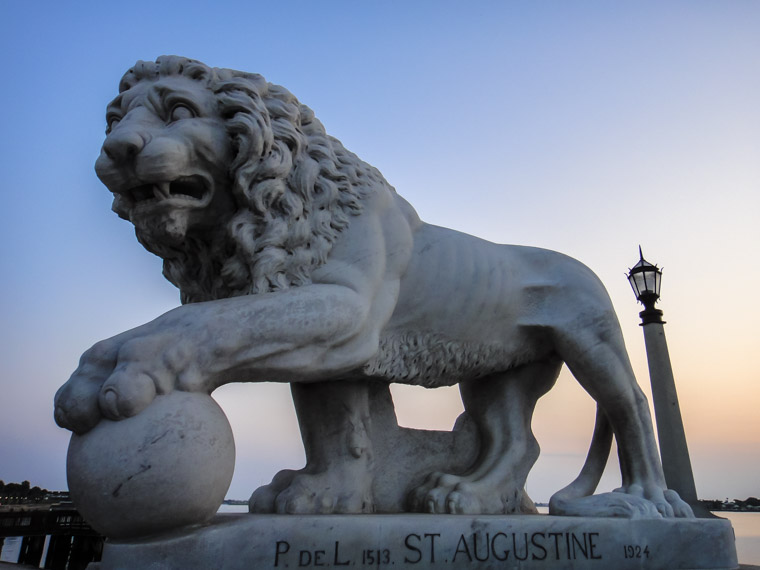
<point>193,188</point>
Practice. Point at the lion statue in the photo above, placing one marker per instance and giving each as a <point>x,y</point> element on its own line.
<point>297,262</point>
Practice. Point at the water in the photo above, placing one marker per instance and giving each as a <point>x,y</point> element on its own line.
<point>747,531</point>
<point>233,509</point>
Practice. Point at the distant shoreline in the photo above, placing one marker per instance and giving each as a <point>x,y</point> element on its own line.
<point>21,496</point>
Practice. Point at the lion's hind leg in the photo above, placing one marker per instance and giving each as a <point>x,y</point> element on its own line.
<point>599,361</point>
<point>501,406</point>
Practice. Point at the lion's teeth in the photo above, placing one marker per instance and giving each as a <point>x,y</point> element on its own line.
<point>161,190</point>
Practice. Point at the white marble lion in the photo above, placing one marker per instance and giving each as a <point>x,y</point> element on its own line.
<point>297,262</point>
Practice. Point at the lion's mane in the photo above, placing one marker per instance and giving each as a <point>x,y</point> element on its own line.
<point>294,187</point>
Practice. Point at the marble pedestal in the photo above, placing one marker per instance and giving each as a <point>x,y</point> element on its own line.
<point>241,541</point>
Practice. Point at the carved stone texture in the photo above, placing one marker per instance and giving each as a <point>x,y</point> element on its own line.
<point>297,262</point>
<point>240,542</point>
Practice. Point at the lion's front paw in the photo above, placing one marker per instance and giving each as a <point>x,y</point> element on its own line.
<point>345,488</point>
<point>83,400</point>
<point>263,499</point>
<point>77,406</point>
<point>118,378</point>
<point>320,493</point>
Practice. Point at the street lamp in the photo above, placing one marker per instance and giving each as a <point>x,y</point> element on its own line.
<point>645,280</point>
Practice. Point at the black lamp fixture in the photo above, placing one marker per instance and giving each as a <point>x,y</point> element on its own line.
<point>645,280</point>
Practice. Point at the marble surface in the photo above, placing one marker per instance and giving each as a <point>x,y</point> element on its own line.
<point>442,541</point>
<point>298,262</point>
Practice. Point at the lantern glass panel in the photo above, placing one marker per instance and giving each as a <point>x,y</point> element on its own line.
<point>632,281</point>
<point>648,281</point>
<point>641,282</point>
<point>651,279</point>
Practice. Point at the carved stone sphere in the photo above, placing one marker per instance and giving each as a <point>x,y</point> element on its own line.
<point>167,467</point>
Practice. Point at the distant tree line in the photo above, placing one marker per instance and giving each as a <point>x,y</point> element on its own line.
<point>22,490</point>
<point>749,504</point>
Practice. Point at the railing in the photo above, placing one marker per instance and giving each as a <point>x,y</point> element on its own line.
<point>58,534</point>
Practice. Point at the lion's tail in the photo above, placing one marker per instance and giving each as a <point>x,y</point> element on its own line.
<point>566,501</point>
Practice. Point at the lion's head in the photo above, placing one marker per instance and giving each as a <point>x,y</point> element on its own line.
<point>228,178</point>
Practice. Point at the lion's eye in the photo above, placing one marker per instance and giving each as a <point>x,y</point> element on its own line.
<point>180,112</point>
<point>111,122</point>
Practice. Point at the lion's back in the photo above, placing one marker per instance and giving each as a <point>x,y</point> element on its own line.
<point>468,308</point>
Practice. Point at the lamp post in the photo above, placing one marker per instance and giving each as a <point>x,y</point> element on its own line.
<point>645,279</point>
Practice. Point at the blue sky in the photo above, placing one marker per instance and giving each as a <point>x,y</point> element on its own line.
<point>586,127</point>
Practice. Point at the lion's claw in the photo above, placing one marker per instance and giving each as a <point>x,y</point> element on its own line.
<point>82,401</point>
<point>460,503</point>
<point>665,510</point>
<point>632,503</point>
<point>263,499</point>
<point>681,508</point>
<point>124,396</point>
<point>296,501</point>
<point>453,494</point>
<point>436,500</point>
<point>76,406</point>
<point>109,404</point>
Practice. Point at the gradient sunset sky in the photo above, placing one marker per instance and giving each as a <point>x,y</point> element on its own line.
<point>585,127</point>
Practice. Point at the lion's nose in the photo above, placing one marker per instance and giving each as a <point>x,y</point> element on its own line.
<point>123,146</point>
